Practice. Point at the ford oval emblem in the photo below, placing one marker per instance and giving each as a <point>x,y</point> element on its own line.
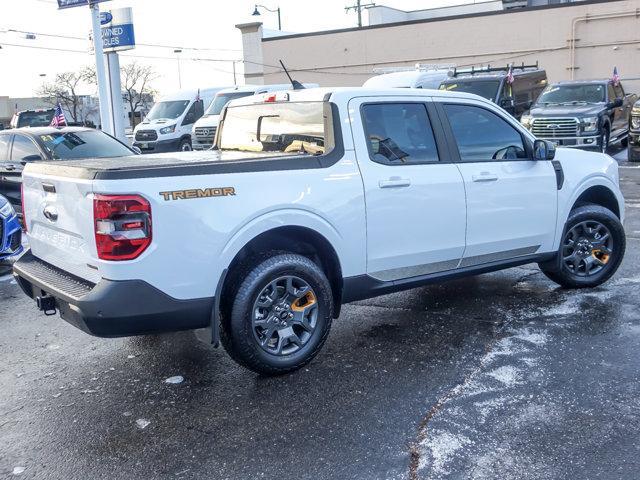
<point>105,17</point>
<point>51,213</point>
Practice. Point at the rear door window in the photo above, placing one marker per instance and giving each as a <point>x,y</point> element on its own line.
<point>399,133</point>
<point>483,136</point>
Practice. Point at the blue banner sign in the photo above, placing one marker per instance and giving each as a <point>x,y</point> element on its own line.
<point>118,37</point>
<point>117,30</point>
<point>76,3</point>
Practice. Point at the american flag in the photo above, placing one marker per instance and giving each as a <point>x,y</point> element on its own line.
<point>616,77</point>
<point>58,119</point>
<point>510,75</point>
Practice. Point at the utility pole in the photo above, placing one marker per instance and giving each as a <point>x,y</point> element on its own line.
<point>358,7</point>
<point>103,89</point>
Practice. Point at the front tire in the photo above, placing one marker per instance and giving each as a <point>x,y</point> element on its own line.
<point>280,316</point>
<point>604,140</point>
<point>591,249</point>
<point>185,145</point>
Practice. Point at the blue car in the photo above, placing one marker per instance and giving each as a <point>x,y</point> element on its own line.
<point>10,230</point>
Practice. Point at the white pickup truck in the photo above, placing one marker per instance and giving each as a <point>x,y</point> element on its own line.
<point>312,198</point>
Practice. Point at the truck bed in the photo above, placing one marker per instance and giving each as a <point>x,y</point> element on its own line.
<point>174,164</point>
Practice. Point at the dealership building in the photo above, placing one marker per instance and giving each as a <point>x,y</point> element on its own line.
<point>579,39</point>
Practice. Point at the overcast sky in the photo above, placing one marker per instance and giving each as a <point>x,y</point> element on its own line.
<point>208,25</point>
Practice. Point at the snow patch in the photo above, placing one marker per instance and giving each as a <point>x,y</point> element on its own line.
<point>18,470</point>
<point>142,423</point>
<point>442,446</point>
<point>538,338</point>
<point>507,375</point>
<point>175,380</point>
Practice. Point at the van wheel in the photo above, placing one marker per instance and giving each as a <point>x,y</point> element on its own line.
<point>591,249</point>
<point>280,316</point>
<point>185,145</point>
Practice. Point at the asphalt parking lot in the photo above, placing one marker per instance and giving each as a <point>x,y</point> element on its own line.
<point>499,376</point>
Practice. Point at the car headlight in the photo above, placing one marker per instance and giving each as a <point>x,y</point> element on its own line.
<point>635,122</point>
<point>169,129</point>
<point>589,124</point>
<point>526,121</point>
<point>7,210</point>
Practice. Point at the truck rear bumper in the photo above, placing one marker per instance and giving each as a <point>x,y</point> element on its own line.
<point>110,308</point>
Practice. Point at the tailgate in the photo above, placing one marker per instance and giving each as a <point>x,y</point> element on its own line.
<point>58,213</point>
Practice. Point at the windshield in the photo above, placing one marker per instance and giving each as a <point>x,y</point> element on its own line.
<point>169,110</point>
<point>302,128</point>
<point>222,99</point>
<point>569,94</point>
<point>485,88</point>
<point>85,144</point>
<point>35,119</point>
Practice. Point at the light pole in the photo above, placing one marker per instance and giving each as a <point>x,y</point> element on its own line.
<point>256,12</point>
<point>178,52</point>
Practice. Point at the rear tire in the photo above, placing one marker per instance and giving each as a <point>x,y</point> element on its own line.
<point>280,316</point>
<point>634,154</point>
<point>591,249</point>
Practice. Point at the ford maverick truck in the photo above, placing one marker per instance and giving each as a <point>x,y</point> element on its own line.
<point>311,199</point>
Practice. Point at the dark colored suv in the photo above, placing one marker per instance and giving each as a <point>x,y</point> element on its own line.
<point>515,91</point>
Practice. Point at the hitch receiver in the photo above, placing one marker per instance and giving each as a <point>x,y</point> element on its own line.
<point>46,304</point>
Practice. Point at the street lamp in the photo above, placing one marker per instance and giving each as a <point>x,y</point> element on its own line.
<point>178,51</point>
<point>257,13</point>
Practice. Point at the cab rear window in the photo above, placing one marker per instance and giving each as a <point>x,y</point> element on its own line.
<point>296,128</point>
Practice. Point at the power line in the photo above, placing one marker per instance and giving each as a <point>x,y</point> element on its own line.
<point>157,57</point>
<point>154,45</point>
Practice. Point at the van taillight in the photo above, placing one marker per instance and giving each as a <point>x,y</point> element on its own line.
<point>122,225</point>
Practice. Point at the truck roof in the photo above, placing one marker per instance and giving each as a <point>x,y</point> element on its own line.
<point>584,82</point>
<point>346,93</point>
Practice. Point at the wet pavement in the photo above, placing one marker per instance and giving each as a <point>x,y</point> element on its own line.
<point>502,375</point>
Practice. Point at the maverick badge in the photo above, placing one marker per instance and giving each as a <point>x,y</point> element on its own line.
<point>198,193</point>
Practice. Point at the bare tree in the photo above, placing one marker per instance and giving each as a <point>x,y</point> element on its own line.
<point>136,87</point>
<point>65,89</point>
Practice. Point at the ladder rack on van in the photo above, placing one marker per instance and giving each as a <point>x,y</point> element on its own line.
<point>489,69</point>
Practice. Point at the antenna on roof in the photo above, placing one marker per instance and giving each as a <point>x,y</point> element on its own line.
<point>294,83</point>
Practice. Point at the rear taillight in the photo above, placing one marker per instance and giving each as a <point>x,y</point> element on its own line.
<point>24,212</point>
<point>122,225</point>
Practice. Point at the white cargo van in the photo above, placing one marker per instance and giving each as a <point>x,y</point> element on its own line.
<point>167,127</point>
<point>204,130</point>
<point>415,78</point>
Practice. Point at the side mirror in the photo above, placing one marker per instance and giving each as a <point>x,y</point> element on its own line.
<point>30,158</point>
<point>617,103</point>
<point>507,102</point>
<point>544,150</point>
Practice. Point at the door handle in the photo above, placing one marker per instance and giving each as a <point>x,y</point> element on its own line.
<point>9,167</point>
<point>485,177</point>
<point>394,182</point>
